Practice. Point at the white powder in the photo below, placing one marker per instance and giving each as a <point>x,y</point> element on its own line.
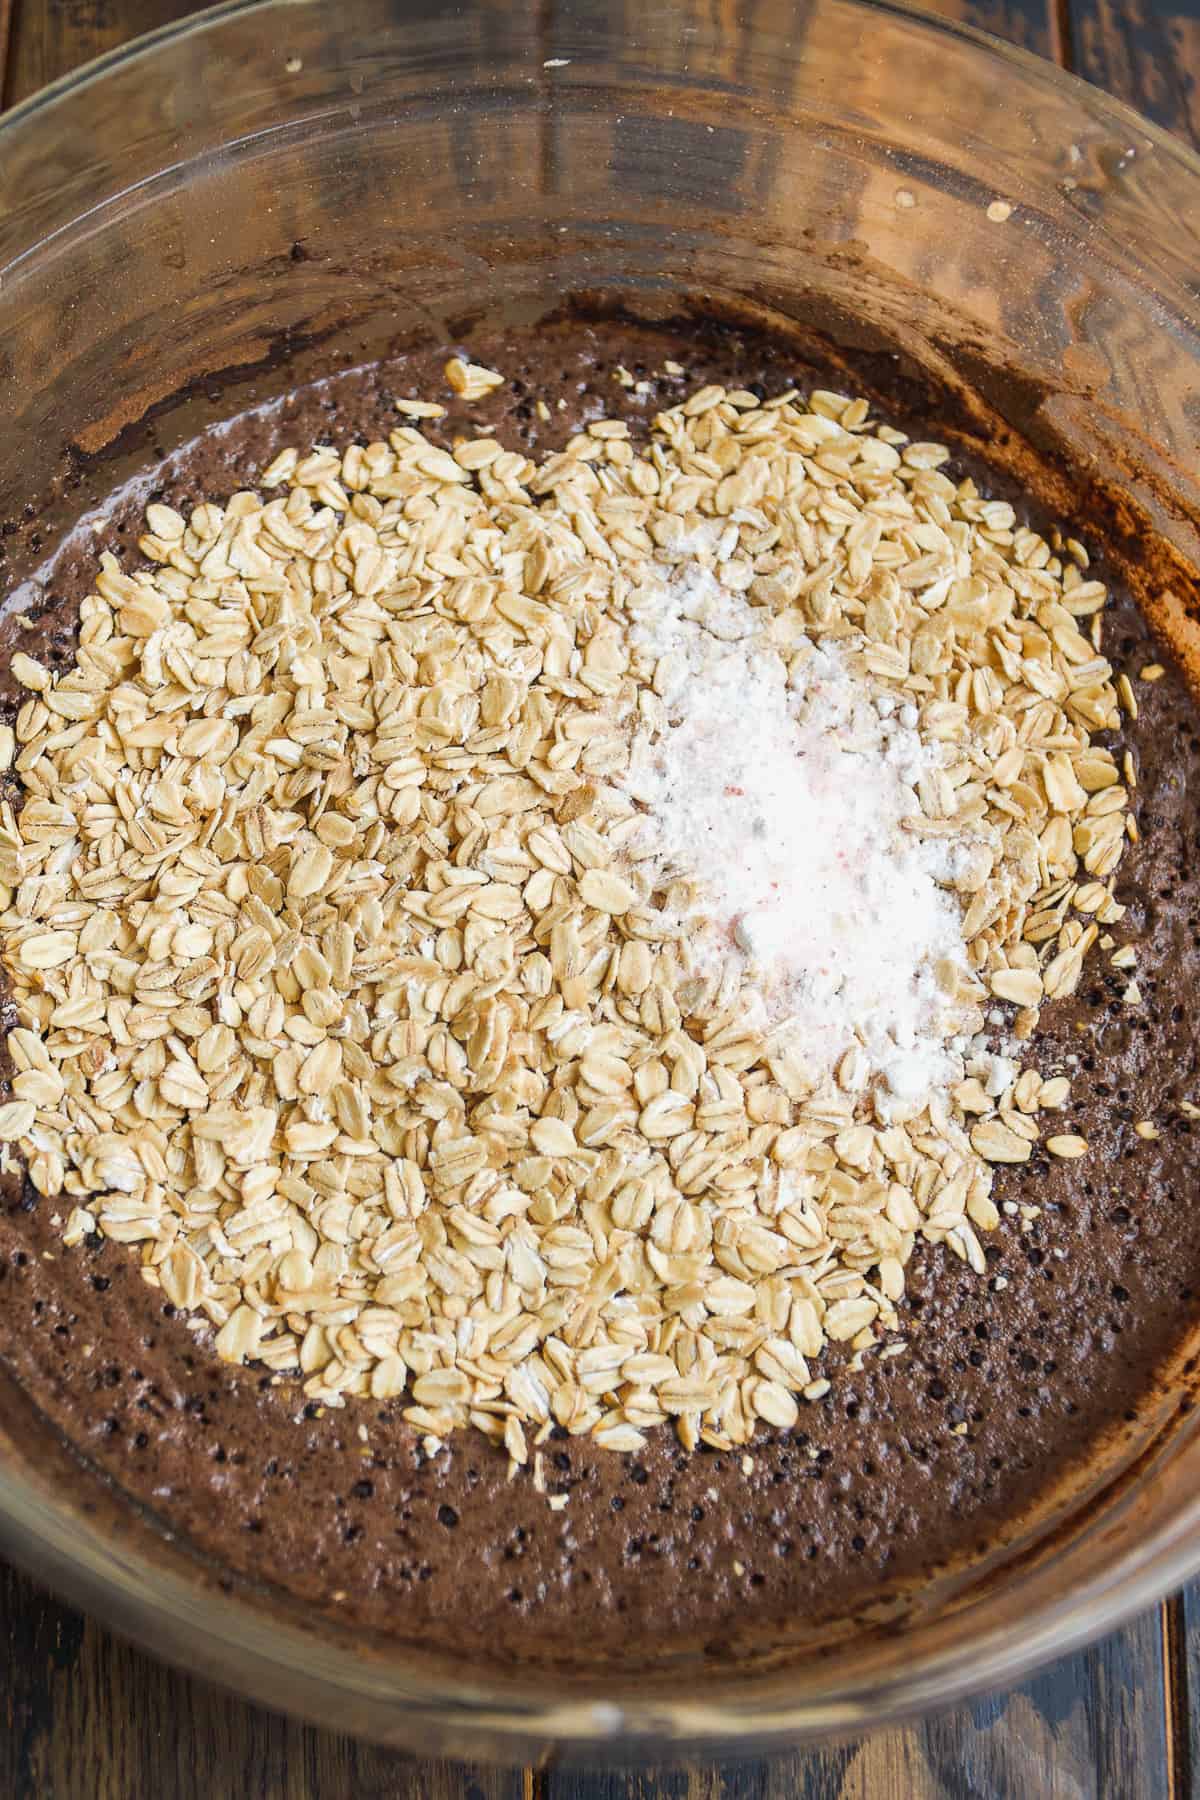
<point>784,796</point>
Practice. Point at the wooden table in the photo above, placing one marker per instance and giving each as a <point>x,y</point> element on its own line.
<point>87,1717</point>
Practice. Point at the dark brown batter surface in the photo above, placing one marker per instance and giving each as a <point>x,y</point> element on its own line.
<point>664,1555</point>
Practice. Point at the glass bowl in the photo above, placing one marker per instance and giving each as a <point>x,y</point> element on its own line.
<point>272,186</point>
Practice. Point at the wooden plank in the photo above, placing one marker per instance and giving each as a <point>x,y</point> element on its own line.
<point>51,37</point>
<point>1090,1727</point>
<point>1148,54</point>
<point>86,1717</point>
<point>1178,1689</point>
<point>1186,1690</point>
<point>6,14</point>
<point>1093,1723</point>
<point>1145,53</point>
<point>1030,23</point>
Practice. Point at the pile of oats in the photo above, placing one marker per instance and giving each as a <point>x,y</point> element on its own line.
<point>341,1000</point>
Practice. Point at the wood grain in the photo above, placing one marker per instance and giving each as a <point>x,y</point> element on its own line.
<point>6,12</point>
<point>52,37</point>
<point>1091,1727</point>
<point>1145,53</point>
<point>1030,23</point>
<point>85,1717</point>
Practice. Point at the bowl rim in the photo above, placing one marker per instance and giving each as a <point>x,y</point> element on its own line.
<point>1033,64</point>
<point>626,1720</point>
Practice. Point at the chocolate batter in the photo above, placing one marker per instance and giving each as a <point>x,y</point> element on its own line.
<point>1047,1362</point>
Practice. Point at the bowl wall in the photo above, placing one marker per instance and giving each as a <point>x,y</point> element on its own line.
<point>278,189</point>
